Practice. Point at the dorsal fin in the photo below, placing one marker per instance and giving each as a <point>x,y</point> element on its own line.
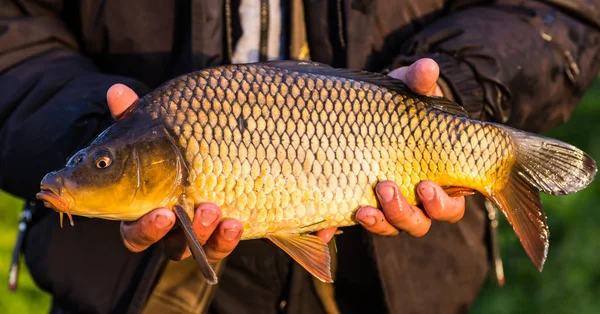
<point>440,103</point>
<point>445,104</point>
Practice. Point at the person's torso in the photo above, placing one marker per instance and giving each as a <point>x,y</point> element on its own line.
<point>155,42</point>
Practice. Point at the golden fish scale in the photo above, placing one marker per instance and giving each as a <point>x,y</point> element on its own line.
<point>284,151</point>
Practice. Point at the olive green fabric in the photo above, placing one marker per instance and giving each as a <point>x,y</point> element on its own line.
<point>181,289</point>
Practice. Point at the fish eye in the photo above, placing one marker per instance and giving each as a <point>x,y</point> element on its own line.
<point>102,159</point>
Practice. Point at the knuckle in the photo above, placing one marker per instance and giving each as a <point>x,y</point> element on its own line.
<point>215,256</point>
<point>147,236</point>
<point>419,234</point>
<point>376,228</point>
<point>390,231</point>
<point>383,228</point>
<point>126,233</point>
<point>421,229</point>
<point>397,218</point>
<point>219,248</point>
<point>436,208</point>
<point>215,260</point>
<point>459,214</point>
<point>131,246</point>
<point>396,215</point>
<point>203,235</point>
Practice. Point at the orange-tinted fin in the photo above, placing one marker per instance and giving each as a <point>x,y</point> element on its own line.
<point>541,164</point>
<point>520,203</point>
<point>457,191</point>
<point>552,166</point>
<point>309,251</point>
<point>60,215</point>
<point>197,251</point>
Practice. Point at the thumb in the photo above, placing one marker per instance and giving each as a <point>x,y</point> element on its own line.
<point>421,76</point>
<point>119,98</point>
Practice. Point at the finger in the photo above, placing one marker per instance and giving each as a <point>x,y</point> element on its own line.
<point>224,240</point>
<point>407,75</point>
<point>399,212</point>
<point>204,223</point>
<point>422,76</point>
<point>119,98</point>
<point>399,73</point>
<point>326,234</point>
<point>438,204</point>
<point>139,235</point>
<point>374,221</point>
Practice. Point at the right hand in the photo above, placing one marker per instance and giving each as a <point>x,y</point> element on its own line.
<point>218,238</point>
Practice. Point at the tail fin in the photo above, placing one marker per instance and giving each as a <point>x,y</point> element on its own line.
<point>542,164</point>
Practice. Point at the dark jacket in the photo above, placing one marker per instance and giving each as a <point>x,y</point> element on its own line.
<point>523,63</point>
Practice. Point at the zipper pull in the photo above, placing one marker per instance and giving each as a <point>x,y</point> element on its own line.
<point>24,219</point>
<point>496,258</point>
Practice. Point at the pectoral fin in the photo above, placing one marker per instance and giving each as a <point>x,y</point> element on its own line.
<point>309,251</point>
<point>195,246</point>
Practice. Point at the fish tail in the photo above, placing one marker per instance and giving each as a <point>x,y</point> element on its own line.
<point>546,165</point>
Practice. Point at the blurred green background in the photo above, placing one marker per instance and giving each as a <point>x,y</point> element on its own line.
<point>570,282</point>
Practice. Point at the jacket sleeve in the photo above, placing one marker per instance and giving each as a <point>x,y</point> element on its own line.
<point>523,63</point>
<point>53,99</point>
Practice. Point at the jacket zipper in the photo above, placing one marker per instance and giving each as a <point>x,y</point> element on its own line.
<point>340,21</point>
<point>497,266</point>
<point>264,30</point>
<point>228,30</point>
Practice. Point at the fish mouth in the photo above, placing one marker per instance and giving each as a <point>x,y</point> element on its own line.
<point>54,199</point>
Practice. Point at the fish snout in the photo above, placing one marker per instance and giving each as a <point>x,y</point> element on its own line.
<point>51,192</point>
<point>52,181</point>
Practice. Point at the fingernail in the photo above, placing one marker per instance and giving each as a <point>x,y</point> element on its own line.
<point>208,217</point>
<point>386,193</point>
<point>427,193</point>
<point>231,234</point>
<point>162,221</point>
<point>368,221</point>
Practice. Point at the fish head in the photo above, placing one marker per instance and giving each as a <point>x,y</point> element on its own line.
<point>130,169</point>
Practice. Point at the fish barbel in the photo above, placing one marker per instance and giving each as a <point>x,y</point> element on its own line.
<point>289,148</point>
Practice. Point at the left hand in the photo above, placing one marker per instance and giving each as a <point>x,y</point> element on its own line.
<point>397,214</point>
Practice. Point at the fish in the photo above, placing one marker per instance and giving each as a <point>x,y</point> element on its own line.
<point>289,148</point>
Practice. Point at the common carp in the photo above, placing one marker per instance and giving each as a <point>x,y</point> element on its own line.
<point>291,147</point>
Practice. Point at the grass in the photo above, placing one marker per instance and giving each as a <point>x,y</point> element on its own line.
<point>28,298</point>
<point>570,282</point>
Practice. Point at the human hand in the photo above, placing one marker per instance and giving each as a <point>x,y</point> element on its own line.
<point>421,77</point>
<point>397,214</point>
